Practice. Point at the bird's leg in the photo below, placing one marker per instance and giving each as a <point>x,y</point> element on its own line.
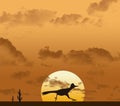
<point>56,98</point>
<point>70,98</point>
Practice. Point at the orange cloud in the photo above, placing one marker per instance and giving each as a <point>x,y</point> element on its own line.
<point>115,94</point>
<point>85,20</point>
<point>37,81</point>
<point>55,82</point>
<point>7,91</point>
<point>38,17</point>
<point>67,19</point>
<point>91,55</point>
<point>21,74</point>
<point>9,54</point>
<point>78,56</point>
<point>47,53</point>
<point>102,6</point>
<point>29,17</point>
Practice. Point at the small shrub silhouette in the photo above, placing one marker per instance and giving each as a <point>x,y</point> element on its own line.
<point>12,98</point>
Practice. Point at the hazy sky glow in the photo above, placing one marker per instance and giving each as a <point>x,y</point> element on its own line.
<point>38,37</point>
<point>63,79</point>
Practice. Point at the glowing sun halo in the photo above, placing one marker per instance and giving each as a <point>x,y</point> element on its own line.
<point>61,80</point>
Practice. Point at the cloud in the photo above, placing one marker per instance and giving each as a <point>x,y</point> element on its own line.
<point>85,20</point>
<point>28,17</point>
<point>36,17</point>
<point>27,94</point>
<point>41,79</point>
<point>7,91</point>
<point>116,88</point>
<point>90,56</point>
<point>90,92</point>
<point>11,91</point>
<point>9,54</point>
<point>67,19</point>
<point>99,22</point>
<point>47,53</point>
<point>102,86</point>
<point>30,82</point>
<point>54,82</point>
<point>21,74</point>
<point>95,72</point>
<point>115,93</point>
<point>78,89</point>
<point>45,65</point>
<point>38,80</point>
<point>100,52</point>
<point>102,6</point>
<point>76,19</point>
<point>78,56</point>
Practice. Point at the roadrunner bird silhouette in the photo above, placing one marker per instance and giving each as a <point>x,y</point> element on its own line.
<point>62,92</point>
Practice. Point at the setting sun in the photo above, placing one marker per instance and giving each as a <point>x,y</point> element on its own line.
<point>62,80</point>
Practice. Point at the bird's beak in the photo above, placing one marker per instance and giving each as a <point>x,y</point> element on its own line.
<point>76,86</point>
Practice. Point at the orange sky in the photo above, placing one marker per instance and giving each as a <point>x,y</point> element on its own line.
<point>106,36</point>
<point>65,25</point>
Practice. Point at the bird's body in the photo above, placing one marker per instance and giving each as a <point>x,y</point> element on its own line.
<point>61,92</point>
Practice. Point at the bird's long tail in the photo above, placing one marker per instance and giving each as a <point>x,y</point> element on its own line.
<point>44,93</point>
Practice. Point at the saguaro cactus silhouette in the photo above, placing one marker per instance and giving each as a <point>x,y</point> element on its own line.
<point>19,97</point>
